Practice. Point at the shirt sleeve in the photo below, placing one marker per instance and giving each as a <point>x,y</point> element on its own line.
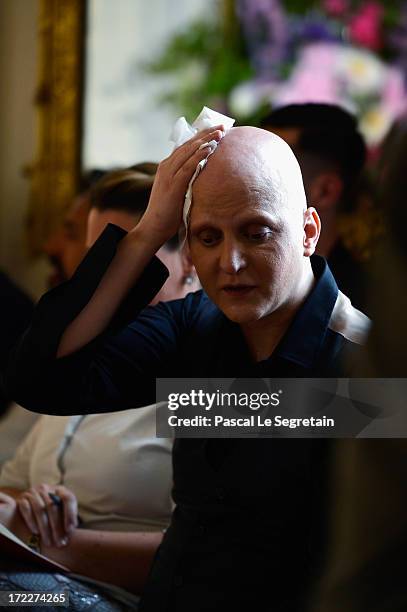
<point>15,473</point>
<point>14,426</point>
<point>117,369</point>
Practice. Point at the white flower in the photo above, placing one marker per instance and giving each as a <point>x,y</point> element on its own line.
<point>375,123</point>
<point>361,71</point>
<point>246,98</point>
<point>193,73</point>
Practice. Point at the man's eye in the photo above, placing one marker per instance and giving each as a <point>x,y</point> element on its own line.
<point>208,238</point>
<point>258,234</point>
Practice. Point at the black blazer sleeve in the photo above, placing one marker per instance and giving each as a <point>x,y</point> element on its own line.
<point>106,373</point>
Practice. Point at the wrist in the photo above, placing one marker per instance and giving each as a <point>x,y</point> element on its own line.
<point>152,232</point>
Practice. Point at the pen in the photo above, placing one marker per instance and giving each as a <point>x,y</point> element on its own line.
<point>58,502</point>
<point>56,499</point>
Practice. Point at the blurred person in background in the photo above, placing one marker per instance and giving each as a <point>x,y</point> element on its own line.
<point>64,248</point>
<point>331,153</point>
<point>116,474</point>
<point>366,565</point>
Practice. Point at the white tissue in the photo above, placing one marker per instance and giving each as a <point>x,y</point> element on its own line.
<point>182,131</point>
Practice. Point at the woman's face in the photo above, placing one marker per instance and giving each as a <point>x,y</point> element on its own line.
<point>248,254</point>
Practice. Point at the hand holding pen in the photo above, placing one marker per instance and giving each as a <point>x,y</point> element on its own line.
<point>50,512</point>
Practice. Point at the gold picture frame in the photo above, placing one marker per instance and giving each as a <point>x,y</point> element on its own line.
<point>55,171</point>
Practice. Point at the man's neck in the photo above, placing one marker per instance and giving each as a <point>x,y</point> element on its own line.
<point>263,336</point>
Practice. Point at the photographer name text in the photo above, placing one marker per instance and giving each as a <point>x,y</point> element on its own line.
<point>253,420</point>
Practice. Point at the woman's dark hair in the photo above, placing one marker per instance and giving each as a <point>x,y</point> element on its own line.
<point>127,189</point>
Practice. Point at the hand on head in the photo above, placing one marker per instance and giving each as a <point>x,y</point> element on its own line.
<point>163,216</point>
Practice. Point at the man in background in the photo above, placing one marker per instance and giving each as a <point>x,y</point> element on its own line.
<point>66,246</point>
<point>365,569</point>
<point>331,153</point>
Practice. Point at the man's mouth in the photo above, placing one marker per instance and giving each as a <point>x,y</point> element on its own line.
<point>238,290</point>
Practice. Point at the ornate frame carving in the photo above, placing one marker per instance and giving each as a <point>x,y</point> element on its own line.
<point>55,171</point>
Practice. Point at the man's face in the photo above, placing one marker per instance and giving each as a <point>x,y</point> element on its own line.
<point>66,247</point>
<point>247,251</point>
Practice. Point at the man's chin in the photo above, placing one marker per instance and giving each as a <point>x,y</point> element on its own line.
<point>242,315</point>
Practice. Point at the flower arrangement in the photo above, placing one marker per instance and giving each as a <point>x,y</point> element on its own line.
<point>345,52</point>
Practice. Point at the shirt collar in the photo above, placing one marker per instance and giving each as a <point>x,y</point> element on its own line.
<point>306,334</point>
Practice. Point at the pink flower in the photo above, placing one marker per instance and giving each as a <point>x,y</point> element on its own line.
<point>336,8</point>
<point>365,26</point>
<point>307,86</point>
<point>394,93</point>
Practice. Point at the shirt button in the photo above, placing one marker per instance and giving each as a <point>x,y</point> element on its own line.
<point>178,580</point>
<point>220,493</point>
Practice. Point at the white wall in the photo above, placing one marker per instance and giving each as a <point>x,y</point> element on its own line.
<point>124,124</point>
<point>18,74</point>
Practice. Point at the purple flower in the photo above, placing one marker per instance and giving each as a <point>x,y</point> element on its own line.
<point>265,30</point>
<point>315,27</point>
<point>398,40</point>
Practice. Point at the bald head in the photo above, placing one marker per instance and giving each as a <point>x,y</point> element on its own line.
<point>252,163</point>
<point>250,233</point>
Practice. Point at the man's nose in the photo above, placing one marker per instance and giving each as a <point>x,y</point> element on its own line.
<point>232,257</point>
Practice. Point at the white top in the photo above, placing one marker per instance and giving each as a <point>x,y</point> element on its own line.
<point>119,471</point>
<point>14,426</point>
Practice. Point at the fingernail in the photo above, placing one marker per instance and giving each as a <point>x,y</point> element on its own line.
<point>63,542</point>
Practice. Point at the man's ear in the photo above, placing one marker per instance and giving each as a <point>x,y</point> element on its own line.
<point>325,190</point>
<point>312,230</point>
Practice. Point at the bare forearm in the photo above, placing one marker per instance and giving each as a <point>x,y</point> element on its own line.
<point>123,559</point>
<point>133,254</point>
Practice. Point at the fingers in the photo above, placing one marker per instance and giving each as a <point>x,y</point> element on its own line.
<point>24,507</point>
<point>34,513</point>
<point>55,517</point>
<point>43,516</point>
<point>70,508</point>
<point>192,147</point>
